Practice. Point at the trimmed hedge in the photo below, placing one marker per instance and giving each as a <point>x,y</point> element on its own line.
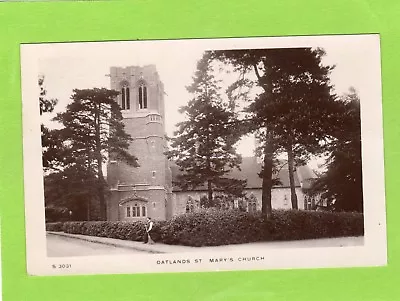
<point>222,227</point>
<point>134,231</point>
<point>57,226</point>
<point>299,224</point>
<point>214,227</point>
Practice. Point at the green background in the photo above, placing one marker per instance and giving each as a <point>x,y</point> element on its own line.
<point>129,20</point>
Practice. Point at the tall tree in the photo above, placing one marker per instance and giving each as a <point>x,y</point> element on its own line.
<point>50,143</point>
<point>93,129</point>
<point>301,107</point>
<point>290,107</point>
<point>45,104</point>
<point>204,146</point>
<point>341,184</point>
<point>245,62</point>
<point>73,188</point>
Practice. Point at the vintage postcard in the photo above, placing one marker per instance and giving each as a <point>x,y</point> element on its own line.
<point>203,155</point>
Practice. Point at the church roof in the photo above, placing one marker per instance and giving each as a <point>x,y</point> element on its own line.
<point>250,169</point>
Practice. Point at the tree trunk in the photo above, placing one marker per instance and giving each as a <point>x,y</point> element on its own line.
<point>267,178</point>
<point>210,192</point>
<point>89,200</point>
<point>209,182</point>
<point>102,199</point>
<point>293,196</point>
<point>88,210</point>
<point>99,159</point>
<point>265,82</point>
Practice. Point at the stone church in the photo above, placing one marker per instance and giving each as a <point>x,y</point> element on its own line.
<point>147,191</point>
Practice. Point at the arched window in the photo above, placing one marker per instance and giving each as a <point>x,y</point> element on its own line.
<point>252,203</point>
<point>125,98</point>
<point>190,205</point>
<point>128,99</point>
<point>142,97</point>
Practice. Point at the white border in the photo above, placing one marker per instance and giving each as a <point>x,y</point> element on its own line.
<point>372,253</point>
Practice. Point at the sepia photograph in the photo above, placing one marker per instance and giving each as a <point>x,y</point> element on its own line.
<point>203,155</point>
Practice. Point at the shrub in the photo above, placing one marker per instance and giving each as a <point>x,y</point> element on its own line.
<point>134,231</point>
<point>121,230</point>
<point>298,224</point>
<point>212,227</point>
<point>55,227</point>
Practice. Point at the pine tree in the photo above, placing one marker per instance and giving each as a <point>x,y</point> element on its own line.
<point>46,105</point>
<point>93,130</point>
<point>73,188</point>
<point>301,108</point>
<point>289,112</point>
<point>50,143</point>
<point>204,146</point>
<point>341,184</point>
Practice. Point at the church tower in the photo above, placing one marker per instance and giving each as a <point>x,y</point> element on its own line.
<point>144,191</point>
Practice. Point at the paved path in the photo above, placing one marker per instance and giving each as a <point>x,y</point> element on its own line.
<point>61,246</point>
<point>62,243</point>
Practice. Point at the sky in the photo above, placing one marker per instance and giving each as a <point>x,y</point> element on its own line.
<point>85,65</point>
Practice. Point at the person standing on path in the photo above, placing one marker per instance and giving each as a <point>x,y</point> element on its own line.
<point>149,227</point>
